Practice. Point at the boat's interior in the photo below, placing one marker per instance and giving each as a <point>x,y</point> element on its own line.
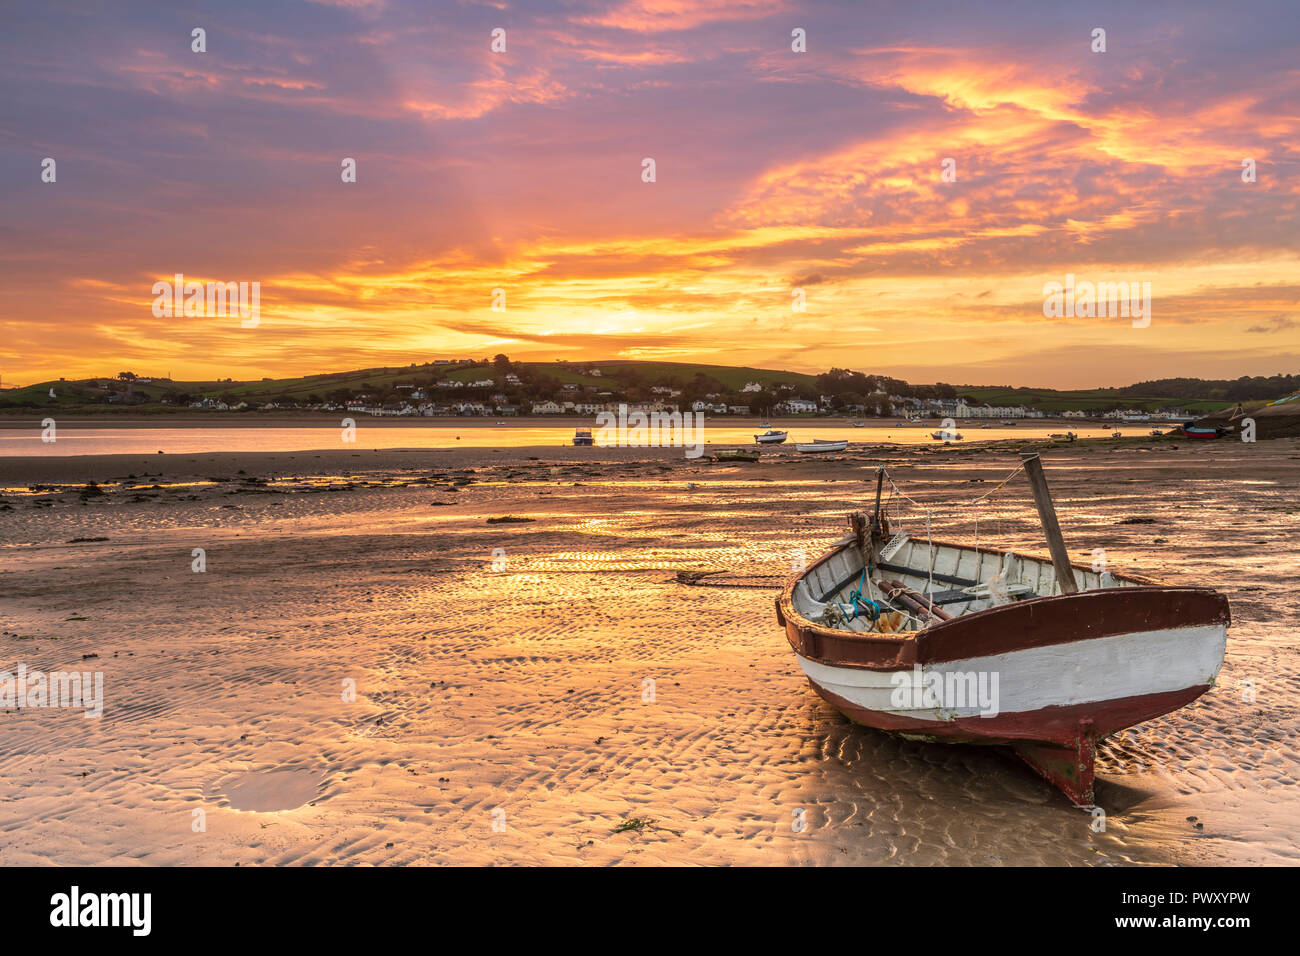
<point>937,580</point>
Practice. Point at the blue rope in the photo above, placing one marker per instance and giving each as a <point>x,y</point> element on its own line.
<point>859,605</point>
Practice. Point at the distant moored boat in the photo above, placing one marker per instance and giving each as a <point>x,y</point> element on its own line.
<point>819,445</point>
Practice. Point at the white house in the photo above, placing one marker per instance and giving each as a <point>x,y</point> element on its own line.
<point>546,408</point>
<point>1000,411</point>
<point>957,409</point>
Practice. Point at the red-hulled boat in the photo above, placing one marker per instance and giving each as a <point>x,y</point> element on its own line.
<point>946,642</point>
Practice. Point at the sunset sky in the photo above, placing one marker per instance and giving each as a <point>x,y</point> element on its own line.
<point>775,170</point>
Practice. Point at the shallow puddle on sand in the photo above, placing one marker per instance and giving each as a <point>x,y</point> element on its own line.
<point>266,791</point>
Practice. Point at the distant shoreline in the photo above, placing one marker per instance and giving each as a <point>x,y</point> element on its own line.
<point>332,419</point>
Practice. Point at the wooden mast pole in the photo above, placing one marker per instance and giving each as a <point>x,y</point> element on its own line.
<point>1047,515</point>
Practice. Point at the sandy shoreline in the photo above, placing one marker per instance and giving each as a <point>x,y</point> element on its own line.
<point>500,670</point>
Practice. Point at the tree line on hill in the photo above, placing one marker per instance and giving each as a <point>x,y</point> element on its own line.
<point>1245,389</point>
<point>521,384</point>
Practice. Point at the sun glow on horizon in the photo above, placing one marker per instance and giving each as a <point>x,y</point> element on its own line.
<point>779,175</point>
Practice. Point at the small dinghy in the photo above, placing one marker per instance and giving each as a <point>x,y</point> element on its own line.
<point>771,437</point>
<point>1201,431</point>
<point>948,642</point>
<point>942,435</point>
<point>819,445</point>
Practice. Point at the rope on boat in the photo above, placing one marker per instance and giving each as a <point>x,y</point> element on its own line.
<point>996,488</point>
<point>857,605</point>
<point>697,579</point>
<point>929,584</point>
<point>897,493</point>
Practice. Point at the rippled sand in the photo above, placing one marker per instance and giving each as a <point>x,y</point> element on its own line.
<point>503,708</point>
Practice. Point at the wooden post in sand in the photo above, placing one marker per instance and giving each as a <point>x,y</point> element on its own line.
<point>1047,515</point>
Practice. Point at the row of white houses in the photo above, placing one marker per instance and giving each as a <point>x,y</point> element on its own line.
<point>959,408</point>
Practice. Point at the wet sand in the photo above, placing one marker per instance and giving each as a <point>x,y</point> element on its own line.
<point>502,709</point>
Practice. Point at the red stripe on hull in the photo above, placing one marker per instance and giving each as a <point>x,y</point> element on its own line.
<point>1035,622</point>
<point>1048,725</point>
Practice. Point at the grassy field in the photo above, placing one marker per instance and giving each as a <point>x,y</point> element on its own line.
<point>1097,399</point>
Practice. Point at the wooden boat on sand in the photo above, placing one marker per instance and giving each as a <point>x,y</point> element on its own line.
<point>736,454</point>
<point>948,642</point>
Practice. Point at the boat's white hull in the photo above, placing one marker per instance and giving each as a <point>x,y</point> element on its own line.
<point>1007,690</point>
<point>819,447</point>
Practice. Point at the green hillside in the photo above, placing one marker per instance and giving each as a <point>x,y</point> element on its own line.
<point>629,379</point>
<point>1098,400</point>
<point>111,394</point>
